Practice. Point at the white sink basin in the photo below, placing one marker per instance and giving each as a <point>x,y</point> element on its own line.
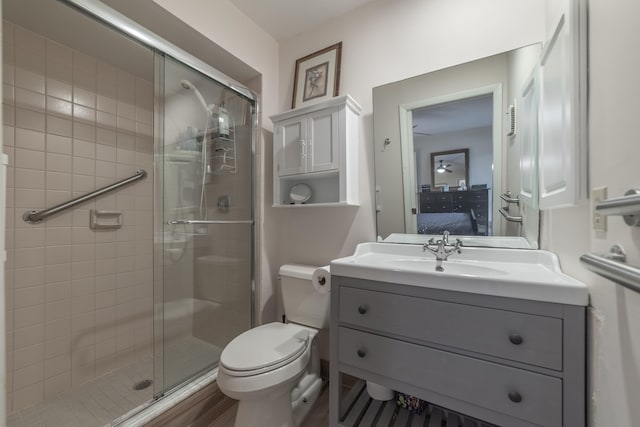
<point>525,274</point>
<point>457,267</point>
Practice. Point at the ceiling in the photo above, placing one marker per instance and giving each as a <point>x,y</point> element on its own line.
<point>286,18</point>
<point>470,113</point>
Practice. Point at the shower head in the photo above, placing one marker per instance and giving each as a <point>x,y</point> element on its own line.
<point>186,84</point>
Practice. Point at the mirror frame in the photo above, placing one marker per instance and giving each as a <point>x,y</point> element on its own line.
<point>434,154</point>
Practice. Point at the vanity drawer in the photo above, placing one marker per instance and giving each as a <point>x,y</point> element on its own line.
<point>526,338</point>
<point>533,397</point>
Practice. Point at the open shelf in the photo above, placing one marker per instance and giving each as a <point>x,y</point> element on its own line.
<point>364,411</point>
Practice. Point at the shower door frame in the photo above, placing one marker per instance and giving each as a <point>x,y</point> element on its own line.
<point>164,48</point>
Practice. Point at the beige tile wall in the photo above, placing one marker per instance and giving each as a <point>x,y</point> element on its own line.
<point>79,301</point>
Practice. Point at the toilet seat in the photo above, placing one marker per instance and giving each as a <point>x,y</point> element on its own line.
<point>264,348</point>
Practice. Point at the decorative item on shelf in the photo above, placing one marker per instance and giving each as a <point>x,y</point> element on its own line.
<point>411,403</point>
<point>317,76</point>
<point>299,193</point>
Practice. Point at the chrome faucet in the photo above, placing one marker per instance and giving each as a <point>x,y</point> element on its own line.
<point>442,249</point>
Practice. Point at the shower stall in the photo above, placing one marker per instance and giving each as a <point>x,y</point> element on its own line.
<point>117,295</point>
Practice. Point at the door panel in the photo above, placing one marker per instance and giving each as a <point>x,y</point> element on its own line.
<point>323,140</point>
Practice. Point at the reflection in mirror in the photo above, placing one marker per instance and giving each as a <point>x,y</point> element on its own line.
<point>454,120</point>
<point>450,170</point>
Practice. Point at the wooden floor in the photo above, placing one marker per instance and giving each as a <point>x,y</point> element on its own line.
<point>318,417</point>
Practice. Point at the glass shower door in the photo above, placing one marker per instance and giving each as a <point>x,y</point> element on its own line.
<point>204,274</point>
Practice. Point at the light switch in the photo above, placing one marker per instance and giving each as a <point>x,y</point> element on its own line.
<point>599,221</point>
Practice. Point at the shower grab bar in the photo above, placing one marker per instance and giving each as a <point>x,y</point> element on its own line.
<point>35,216</point>
<point>617,271</point>
<point>507,198</point>
<point>628,206</point>
<point>207,221</point>
<point>509,217</point>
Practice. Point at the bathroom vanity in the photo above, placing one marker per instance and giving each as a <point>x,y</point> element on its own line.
<point>499,336</point>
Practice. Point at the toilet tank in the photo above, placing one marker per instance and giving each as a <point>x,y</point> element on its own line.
<point>303,304</point>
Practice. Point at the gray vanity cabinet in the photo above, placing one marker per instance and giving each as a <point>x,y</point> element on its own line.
<point>504,361</point>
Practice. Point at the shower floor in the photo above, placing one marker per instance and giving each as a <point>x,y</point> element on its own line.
<point>101,401</point>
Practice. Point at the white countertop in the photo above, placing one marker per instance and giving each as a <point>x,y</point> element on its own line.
<point>512,273</point>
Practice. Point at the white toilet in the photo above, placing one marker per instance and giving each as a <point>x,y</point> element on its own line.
<point>273,370</point>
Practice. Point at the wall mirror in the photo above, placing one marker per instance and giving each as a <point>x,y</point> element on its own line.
<point>458,115</point>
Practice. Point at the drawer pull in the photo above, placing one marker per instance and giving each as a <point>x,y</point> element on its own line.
<point>362,309</point>
<point>516,339</point>
<point>515,397</point>
<point>361,353</point>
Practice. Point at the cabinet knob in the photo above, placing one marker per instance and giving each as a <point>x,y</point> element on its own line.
<point>515,397</point>
<point>516,339</point>
<point>361,353</point>
<point>362,309</point>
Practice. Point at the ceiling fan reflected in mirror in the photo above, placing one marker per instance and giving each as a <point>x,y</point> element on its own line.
<point>442,168</point>
<point>416,132</point>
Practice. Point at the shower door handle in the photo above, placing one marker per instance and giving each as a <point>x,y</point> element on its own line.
<point>207,221</point>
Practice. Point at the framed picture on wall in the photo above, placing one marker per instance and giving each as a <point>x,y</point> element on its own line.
<point>317,76</point>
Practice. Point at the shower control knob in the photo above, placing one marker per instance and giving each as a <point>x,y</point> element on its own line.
<point>361,353</point>
<point>515,397</point>
<point>516,339</point>
<point>362,309</point>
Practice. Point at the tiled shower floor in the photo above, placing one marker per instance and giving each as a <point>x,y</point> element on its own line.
<point>99,402</point>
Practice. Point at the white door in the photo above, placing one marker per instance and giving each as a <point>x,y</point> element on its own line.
<point>322,140</point>
<point>290,146</point>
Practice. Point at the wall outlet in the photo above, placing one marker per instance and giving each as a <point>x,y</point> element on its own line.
<point>599,221</point>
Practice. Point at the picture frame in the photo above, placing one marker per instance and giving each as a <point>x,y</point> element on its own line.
<point>317,76</point>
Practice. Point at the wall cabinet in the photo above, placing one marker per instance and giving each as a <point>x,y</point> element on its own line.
<point>503,361</point>
<point>296,137</point>
<point>317,146</point>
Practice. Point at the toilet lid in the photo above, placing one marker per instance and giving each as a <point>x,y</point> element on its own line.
<point>265,348</point>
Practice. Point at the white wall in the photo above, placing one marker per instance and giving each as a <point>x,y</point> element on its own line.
<point>386,41</point>
<point>230,29</point>
<point>614,319</point>
<point>371,36</point>
<point>394,34</point>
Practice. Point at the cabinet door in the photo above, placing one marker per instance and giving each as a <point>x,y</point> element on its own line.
<point>322,140</point>
<point>562,149</point>
<point>528,130</point>
<point>290,146</point>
